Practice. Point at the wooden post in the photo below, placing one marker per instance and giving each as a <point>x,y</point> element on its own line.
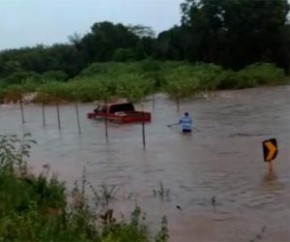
<point>177,100</point>
<point>21,109</point>
<point>58,116</point>
<point>78,117</point>
<point>43,115</point>
<point>143,133</point>
<point>270,167</point>
<point>143,128</point>
<point>106,121</point>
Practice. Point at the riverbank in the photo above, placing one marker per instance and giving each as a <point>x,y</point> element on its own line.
<point>38,207</point>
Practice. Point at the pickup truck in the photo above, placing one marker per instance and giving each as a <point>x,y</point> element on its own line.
<point>119,113</point>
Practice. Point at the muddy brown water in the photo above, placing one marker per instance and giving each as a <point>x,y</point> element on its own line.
<point>223,159</point>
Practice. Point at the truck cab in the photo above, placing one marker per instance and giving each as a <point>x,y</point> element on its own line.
<point>115,108</point>
<point>120,113</point>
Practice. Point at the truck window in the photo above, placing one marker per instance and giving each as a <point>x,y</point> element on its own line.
<point>124,107</point>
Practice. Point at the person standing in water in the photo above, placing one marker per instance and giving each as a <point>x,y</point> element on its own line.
<point>186,123</point>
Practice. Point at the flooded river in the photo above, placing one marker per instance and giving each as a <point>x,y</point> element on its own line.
<point>221,161</point>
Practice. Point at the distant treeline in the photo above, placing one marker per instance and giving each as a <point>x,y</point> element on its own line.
<point>229,33</point>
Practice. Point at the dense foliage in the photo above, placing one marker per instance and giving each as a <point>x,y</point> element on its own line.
<point>232,34</point>
<point>136,80</point>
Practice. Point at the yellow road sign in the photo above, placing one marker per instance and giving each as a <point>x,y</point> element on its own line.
<point>270,149</point>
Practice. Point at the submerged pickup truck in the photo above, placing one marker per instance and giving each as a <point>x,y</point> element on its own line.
<point>119,113</point>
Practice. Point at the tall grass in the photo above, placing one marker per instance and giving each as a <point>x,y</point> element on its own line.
<point>37,208</point>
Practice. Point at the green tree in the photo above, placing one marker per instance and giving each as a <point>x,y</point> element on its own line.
<point>104,38</point>
<point>230,33</point>
<point>141,30</point>
<point>10,67</point>
<point>123,55</point>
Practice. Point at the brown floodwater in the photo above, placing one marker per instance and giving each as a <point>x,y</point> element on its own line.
<point>222,159</point>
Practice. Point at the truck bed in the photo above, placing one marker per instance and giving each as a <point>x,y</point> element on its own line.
<point>123,117</point>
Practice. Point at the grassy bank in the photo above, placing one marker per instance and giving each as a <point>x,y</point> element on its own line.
<point>134,81</point>
<point>38,207</point>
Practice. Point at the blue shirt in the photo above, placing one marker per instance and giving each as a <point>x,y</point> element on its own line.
<point>185,122</point>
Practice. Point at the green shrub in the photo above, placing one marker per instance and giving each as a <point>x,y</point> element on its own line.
<point>19,77</point>
<point>135,80</point>
<point>252,76</point>
<point>110,69</point>
<point>209,75</point>
<point>95,69</point>
<point>54,75</point>
<point>261,74</point>
<point>181,83</point>
<point>228,80</point>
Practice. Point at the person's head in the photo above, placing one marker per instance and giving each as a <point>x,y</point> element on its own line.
<point>186,114</point>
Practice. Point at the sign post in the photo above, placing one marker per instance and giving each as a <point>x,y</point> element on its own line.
<point>270,150</point>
